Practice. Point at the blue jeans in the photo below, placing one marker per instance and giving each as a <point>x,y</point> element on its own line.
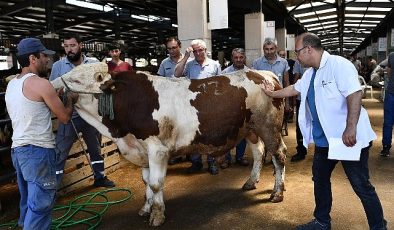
<point>388,119</point>
<point>358,175</point>
<point>65,138</point>
<point>240,151</point>
<point>36,175</point>
<point>195,158</point>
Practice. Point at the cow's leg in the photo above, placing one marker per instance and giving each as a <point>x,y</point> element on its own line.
<point>278,159</point>
<point>257,147</point>
<point>158,158</point>
<point>146,209</point>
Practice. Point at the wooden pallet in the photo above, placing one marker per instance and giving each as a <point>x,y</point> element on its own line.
<point>77,171</point>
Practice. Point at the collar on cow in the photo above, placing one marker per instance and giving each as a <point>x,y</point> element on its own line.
<point>105,101</point>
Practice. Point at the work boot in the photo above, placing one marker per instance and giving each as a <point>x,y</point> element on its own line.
<point>196,167</point>
<point>242,161</point>
<point>225,164</point>
<point>175,160</point>
<point>297,157</point>
<point>212,168</point>
<point>314,225</point>
<point>103,182</point>
<point>385,151</point>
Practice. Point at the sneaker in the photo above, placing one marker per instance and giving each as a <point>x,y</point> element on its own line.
<point>212,168</point>
<point>242,162</point>
<point>175,160</point>
<point>103,182</point>
<point>196,167</point>
<point>314,225</point>
<point>297,157</point>
<point>385,151</point>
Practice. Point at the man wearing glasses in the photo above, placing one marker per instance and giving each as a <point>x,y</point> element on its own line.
<point>198,68</point>
<point>331,108</point>
<point>167,66</point>
<point>117,65</point>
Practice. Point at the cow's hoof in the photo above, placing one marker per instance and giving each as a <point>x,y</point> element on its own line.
<point>276,198</point>
<point>249,186</point>
<point>156,220</point>
<point>143,212</point>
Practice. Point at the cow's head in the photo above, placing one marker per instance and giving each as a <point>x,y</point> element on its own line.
<point>85,78</point>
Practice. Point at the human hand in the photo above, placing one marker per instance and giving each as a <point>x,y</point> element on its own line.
<point>349,137</point>
<point>60,92</point>
<point>73,97</point>
<point>267,88</point>
<point>188,51</point>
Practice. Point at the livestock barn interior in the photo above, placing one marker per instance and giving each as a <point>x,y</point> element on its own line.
<point>360,29</point>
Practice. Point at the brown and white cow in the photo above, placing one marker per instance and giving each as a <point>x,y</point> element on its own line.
<point>156,118</point>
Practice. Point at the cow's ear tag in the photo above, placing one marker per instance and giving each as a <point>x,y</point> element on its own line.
<point>113,88</point>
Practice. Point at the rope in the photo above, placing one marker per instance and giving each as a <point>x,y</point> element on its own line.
<point>106,105</point>
<point>93,205</point>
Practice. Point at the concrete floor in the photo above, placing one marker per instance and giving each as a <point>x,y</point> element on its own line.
<point>202,201</point>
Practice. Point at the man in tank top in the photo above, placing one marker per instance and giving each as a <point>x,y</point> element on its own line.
<point>30,99</point>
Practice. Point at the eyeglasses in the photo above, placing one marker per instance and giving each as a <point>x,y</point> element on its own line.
<point>198,51</point>
<point>172,48</point>
<point>299,50</point>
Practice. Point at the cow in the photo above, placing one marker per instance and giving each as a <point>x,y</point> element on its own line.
<point>155,118</point>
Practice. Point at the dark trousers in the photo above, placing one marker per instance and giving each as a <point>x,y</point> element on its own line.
<point>388,119</point>
<point>358,174</point>
<point>65,138</point>
<point>300,146</point>
<point>240,151</point>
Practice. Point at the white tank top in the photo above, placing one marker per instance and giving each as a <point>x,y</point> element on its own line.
<point>31,120</point>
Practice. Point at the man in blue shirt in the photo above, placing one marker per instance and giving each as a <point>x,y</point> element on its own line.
<point>167,66</point>
<point>238,58</point>
<point>198,68</point>
<point>272,62</point>
<point>66,135</point>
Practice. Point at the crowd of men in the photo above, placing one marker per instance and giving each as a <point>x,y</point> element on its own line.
<point>314,76</point>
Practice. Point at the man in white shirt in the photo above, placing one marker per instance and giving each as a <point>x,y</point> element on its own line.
<point>331,94</point>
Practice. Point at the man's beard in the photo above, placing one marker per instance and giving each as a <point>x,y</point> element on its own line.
<point>74,57</point>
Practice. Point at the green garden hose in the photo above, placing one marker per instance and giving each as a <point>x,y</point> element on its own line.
<point>83,210</point>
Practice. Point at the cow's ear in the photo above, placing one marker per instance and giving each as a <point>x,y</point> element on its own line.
<point>99,77</point>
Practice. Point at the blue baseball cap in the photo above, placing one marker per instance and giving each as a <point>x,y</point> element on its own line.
<point>32,45</point>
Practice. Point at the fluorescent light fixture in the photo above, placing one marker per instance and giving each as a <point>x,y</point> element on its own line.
<point>360,25</point>
<point>27,19</point>
<point>89,5</point>
<point>174,25</point>
<point>149,18</point>
<point>315,19</point>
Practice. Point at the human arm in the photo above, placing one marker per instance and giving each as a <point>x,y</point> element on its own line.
<point>289,91</point>
<point>160,71</point>
<point>353,102</point>
<point>48,94</point>
<point>178,72</point>
<point>129,67</point>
